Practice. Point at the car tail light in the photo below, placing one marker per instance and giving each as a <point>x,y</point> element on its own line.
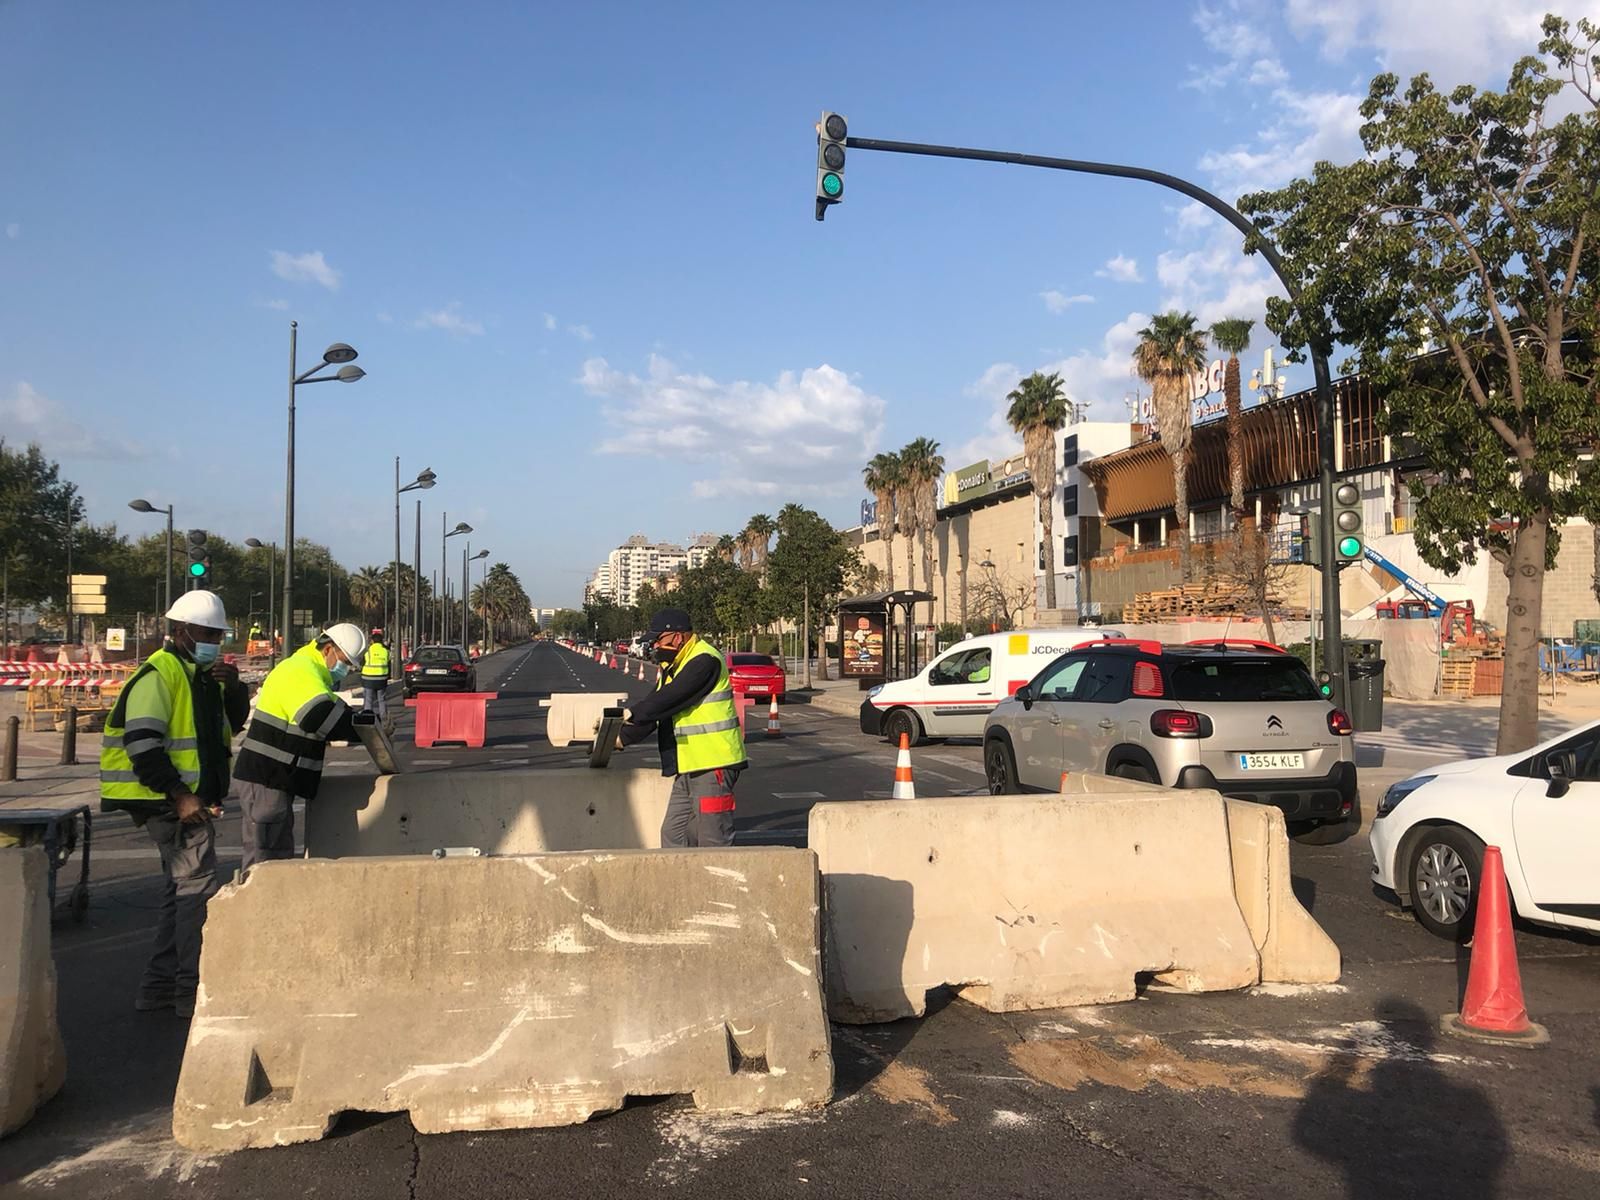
<point>1147,681</point>
<point>459,668</point>
<point>1179,723</point>
<point>1339,722</point>
<point>411,666</point>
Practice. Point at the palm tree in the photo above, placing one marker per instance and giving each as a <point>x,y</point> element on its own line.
<point>368,592</point>
<point>924,467</point>
<point>1038,409</point>
<point>884,476</point>
<point>754,541</point>
<point>1169,352</point>
<point>1232,337</point>
<point>726,548</point>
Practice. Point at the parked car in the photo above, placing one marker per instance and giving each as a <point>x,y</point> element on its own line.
<point>1541,807</point>
<point>1244,718</point>
<point>757,675</point>
<point>952,695</point>
<point>438,669</point>
<point>640,647</point>
<point>620,647</point>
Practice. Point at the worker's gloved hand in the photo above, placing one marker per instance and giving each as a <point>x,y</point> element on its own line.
<point>190,810</point>
<point>620,746</point>
<point>225,673</point>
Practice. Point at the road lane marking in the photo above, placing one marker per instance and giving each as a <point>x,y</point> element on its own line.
<point>797,795</point>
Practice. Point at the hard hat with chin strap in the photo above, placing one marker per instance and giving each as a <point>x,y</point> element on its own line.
<point>352,642</point>
<point>199,608</point>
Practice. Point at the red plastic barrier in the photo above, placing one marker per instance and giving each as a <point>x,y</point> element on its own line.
<point>451,717</point>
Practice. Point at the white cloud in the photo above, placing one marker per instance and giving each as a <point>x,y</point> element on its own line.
<point>1455,41</point>
<point>450,320</point>
<point>29,416</point>
<point>1059,302</point>
<point>581,332</point>
<point>805,433</point>
<point>550,321</point>
<point>277,305</point>
<point>310,267</point>
<point>1121,269</point>
<point>14,230</point>
<point>1234,33</point>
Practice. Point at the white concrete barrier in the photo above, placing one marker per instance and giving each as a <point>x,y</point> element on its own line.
<point>572,716</point>
<point>519,810</point>
<point>33,1061</point>
<point>1042,901</point>
<point>498,993</point>
<point>1292,946</point>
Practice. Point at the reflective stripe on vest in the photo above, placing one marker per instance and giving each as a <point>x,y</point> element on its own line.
<point>289,692</point>
<point>156,700</point>
<point>376,665</point>
<point>707,736</point>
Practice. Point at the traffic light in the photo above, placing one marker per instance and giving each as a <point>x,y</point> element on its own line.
<point>1325,684</point>
<point>1311,542</point>
<point>831,133</point>
<point>1348,541</point>
<point>199,559</point>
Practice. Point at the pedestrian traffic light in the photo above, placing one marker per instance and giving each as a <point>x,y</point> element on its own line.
<point>1311,542</point>
<point>1349,543</point>
<point>831,133</point>
<point>199,558</point>
<point>1325,684</point>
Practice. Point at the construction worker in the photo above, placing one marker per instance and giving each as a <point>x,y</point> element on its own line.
<point>375,678</point>
<point>164,760</point>
<point>297,713</point>
<point>697,727</point>
<point>255,631</point>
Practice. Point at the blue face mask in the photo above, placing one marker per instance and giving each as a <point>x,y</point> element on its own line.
<point>206,653</point>
<point>339,670</point>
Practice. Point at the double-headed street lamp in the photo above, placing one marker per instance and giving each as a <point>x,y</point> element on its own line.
<point>424,480</point>
<point>272,588</point>
<point>144,506</point>
<point>444,537</point>
<point>337,355</point>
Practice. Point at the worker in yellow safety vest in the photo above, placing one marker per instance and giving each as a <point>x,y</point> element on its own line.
<point>298,712</point>
<point>697,728</point>
<point>164,760</point>
<point>375,678</point>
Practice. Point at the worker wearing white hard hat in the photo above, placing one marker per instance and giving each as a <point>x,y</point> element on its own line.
<point>298,711</point>
<point>164,761</point>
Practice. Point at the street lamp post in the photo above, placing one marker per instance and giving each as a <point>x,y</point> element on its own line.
<point>144,506</point>
<point>466,591</point>
<point>444,537</point>
<point>337,355</point>
<point>424,480</point>
<point>272,589</point>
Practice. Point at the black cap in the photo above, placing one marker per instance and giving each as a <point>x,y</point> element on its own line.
<point>671,620</point>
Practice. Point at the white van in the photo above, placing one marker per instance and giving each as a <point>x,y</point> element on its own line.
<point>954,693</point>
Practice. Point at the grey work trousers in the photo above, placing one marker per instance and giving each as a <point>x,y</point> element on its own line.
<point>266,823</point>
<point>189,863</point>
<point>700,809</point>
<point>375,697</point>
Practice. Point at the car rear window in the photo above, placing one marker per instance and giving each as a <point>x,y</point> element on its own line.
<point>753,660</point>
<point>438,654</point>
<point>1242,679</point>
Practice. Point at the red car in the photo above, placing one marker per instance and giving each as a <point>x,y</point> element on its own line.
<point>756,675</point>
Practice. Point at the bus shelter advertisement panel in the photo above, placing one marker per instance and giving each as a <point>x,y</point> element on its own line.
<point>863,644</point>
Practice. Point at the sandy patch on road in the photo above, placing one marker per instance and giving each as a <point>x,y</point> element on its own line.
<point>1139,1061</point>
<point>900,1084</point>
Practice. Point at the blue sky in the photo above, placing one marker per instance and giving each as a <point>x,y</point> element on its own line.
<point>574,243</point>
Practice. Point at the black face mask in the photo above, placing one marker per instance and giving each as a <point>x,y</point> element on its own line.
<point>663,655</point>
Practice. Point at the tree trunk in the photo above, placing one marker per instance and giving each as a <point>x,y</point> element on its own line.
<point>1519,703</point>
<point>1230,387</point>
<point>822,652</point>
<point>1180,503</point>
<point>1047,519</point>
<point>888,553</point>
<point>1594,581</point>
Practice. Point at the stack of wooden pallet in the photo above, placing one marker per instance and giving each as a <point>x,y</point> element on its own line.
<point>1457,677</point>
<point>1190,600</point>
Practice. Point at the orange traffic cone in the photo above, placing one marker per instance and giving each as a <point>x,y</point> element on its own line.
<point>774,726</point>
<point>641,670</point>
<point>1493,1009</point>
<point>904,789</point>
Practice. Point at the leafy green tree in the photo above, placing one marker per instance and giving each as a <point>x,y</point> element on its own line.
<point>807,571</point>
<point>568,623</point>
<point>36,508</point>
<point>1169,352</point>
<point>1472,225</point>
<point>1038,409</point>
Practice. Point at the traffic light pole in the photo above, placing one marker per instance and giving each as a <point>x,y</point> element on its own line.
<point>1332,634</point>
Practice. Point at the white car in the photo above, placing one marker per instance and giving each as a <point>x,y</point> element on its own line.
<point>1541,807</point>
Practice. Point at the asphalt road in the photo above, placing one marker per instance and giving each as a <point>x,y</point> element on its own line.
<point>1343,1090</point>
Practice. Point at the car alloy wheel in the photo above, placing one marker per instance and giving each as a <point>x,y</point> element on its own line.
<point>997,769</point>
<point>1444,883</point>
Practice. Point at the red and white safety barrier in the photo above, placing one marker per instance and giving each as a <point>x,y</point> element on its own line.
<point>63,675</point>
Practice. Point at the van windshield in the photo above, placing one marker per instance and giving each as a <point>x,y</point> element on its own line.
<point>1279,677</point>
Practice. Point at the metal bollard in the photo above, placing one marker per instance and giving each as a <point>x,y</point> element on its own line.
<point>69,738</point>
<point>8,765</point>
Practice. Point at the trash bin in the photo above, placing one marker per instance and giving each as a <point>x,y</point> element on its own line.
<point>1362,649</point>
<point>1365,693</point>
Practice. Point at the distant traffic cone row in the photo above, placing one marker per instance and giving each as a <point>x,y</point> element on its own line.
<point>1493,1010</point>
<point>774,726</point>
<point>904,789</point>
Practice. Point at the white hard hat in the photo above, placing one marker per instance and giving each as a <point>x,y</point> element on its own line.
<point>199,608</point>
<point>349,638</point>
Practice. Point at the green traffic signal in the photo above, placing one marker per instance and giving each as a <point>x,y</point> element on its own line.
<point>832,185</point>
<point>1350,547</point>
<point>198,569</point>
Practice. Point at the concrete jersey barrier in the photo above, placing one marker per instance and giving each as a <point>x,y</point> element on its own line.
<point>572,716</point>
<point>1038,902</point>
<point>500,993</point>
<point>33,1062</point>
<point>522,810</point>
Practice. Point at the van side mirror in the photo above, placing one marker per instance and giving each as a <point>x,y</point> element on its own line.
<point>1562,766</point>
<point>1025,694</point>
